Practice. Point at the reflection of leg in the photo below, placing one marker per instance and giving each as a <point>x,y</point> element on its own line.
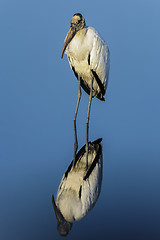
<point>87,122</point>
<point>75,116</point>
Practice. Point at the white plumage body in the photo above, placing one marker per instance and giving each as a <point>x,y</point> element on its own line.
<point>86,52</point>
<point>79,189</point>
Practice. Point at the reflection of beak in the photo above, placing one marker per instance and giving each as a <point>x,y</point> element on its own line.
<point>69,37</point>
<point>63,227</point>
<point>58,214</point>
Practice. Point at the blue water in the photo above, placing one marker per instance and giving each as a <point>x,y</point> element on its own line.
<point>38,95</point>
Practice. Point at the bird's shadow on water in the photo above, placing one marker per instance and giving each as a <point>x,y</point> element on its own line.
<point>79,188</point>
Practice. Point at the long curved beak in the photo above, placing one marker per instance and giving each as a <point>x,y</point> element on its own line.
<point>69,37</point>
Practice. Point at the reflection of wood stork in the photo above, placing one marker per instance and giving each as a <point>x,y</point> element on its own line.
<point>79,188</point>
<point>88,57</point>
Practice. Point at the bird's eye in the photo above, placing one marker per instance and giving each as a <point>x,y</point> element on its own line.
<point>72,24</point>
<point>78,21</point>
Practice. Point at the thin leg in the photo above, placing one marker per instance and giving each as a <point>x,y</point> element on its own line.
<point>87,122</point>
<point>75,116</point>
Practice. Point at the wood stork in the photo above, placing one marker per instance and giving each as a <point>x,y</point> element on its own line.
<point>89,59</point>
<point>79,188</point>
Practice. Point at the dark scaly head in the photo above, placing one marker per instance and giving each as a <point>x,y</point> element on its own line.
<point>77,23</point>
